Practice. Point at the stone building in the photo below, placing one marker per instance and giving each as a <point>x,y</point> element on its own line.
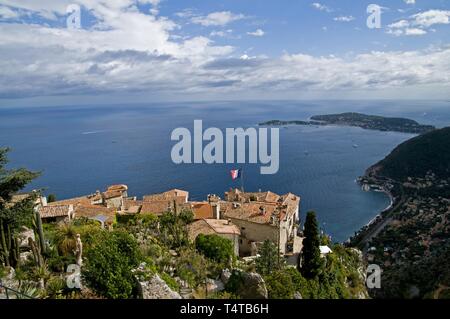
<point>261,216</point>
<point>158,204</point>
<point>56,213</point>
<point>220,227</point>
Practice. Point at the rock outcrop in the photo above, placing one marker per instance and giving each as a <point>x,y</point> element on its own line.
<point>156,288</point>
<point>247,285</point>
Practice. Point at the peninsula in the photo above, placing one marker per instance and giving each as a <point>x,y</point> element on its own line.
<point>369,122</point>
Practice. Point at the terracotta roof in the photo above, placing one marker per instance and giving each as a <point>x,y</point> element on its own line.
<point>112,194</point>
<point>256,212</point>
<point>95,197</point>
<point>290,199</point>
<point>72,201</point>
<point>199,227</point>
<point>118,187</point>
<point>92,211</point>
<point>177,192</point>
<point>237,195</point>
<point>55,211</point>
<point>222,226</point>
<point>271,197</point>
<point>132,206</point>
<point>210,227</point>
<point>201,210</point>
<point>155,207</point>
<point>179,195</point>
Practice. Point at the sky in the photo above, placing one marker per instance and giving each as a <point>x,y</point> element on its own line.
<point>185,50</point>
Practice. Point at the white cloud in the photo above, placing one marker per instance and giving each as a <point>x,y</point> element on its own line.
<point>217,18</point>
<point>410,1</point>
<point>257,33</point>
<point>131,51</point>
<point>320,7</point>
<point>407,31</point>
<point>415,31</point>
<point>419,23</point>
<point>431,17</point>
<point>221,33</point>
<point>399,24</point>
<point>344,18</point>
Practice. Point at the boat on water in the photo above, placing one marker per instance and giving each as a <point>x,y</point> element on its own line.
<point>355,145</point>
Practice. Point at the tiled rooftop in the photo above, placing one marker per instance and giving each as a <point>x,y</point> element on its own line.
<point>55,211</point>
<point>179,195</point>
<point>211,226</point>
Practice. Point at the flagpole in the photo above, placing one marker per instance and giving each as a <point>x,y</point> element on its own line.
<point>242,180</point>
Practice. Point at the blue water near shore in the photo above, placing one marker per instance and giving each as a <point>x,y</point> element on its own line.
<point>84,148</point>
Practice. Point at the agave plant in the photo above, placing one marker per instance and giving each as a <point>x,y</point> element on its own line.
<point>55,287</point>
<point>41,274</point>
<point>28,291</point>
<point>20,276</point>
<point>66,239</point>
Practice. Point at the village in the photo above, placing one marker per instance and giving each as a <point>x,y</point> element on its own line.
<point>245,218</point>
<point>111,244</point>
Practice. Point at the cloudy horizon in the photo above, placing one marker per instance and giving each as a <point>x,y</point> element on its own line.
<point>165,50</point>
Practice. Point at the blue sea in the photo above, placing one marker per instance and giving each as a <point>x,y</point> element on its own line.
<point>81,149</point>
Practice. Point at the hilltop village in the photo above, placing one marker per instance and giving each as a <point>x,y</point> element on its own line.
<point>110,244</point>
<point>246,218</point>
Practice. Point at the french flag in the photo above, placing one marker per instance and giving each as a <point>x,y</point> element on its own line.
<point>235,174</point>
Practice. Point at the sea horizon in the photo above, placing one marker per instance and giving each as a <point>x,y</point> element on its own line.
<point>81,149</point>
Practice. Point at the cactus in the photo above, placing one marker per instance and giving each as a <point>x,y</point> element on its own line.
<point>15,249</point>
<point>4,246</point>
<point>8,247</point>
<point>35,249</point>
<point>39,232</point>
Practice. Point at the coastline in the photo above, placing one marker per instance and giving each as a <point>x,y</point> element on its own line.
<point>377,223</point>
<point>380,214</point>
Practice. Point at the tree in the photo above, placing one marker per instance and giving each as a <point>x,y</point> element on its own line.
<point>215,247</point>
<point>280,285</point>
<point>13,214</point>
<point>268,258</point>
<point>311,261</point>
<point>109,264</point>
<point>51,198</point>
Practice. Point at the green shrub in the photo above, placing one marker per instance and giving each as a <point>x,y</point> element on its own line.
<point>192,267</point>
<point>51,198</point>
<point>109,264</point>
<point>235,282</point>
<point>171,282</point>
<point>280,286</point>
<point>215,247</point>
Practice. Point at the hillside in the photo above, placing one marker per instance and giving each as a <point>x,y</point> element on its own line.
<point>413,244</point>
<point>417,156</point>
